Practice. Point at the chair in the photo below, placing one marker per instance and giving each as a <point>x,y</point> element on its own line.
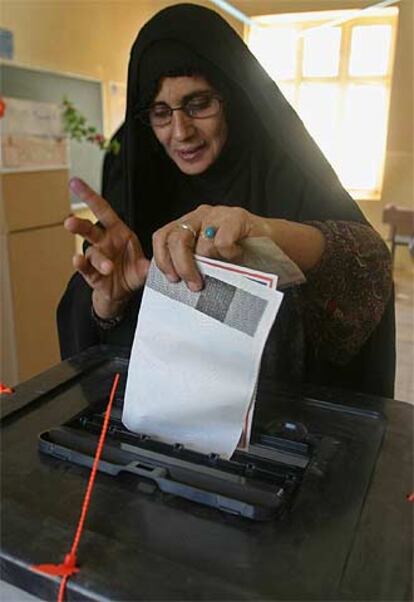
<point>401,222</point>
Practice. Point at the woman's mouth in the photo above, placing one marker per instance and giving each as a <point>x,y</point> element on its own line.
<point>193,154</point>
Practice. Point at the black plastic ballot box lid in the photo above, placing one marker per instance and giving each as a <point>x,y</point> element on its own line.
<point>345,533</point>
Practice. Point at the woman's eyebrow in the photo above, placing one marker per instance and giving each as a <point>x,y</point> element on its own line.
<point>196,93</point>
<point>187,97</point>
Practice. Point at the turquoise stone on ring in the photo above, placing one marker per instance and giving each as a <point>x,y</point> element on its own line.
<point>210,232</point>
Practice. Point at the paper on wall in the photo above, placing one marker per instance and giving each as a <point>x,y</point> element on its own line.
<point>32,135</point>
<point>196,357</point>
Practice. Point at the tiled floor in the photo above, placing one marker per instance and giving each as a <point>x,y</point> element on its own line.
<point>404,305</point>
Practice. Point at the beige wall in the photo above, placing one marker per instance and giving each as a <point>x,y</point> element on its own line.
<point>94,38</point>
<point>83,37</point>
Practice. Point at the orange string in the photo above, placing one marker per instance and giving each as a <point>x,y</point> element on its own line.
<point>98,454</point>
<point>68,567</point>
<point>62,589</point>
<point>4,389</point>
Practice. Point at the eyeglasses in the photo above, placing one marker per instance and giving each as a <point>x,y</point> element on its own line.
<point>199,106</point>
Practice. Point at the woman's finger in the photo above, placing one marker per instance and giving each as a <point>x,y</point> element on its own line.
<point>221,231</point>
<point>162,254</point>
<point>226,241</point>
<point>99,207</point>
<point>206,247</point>
<point>181,244</point>
<point>99,261</point>
<point>230,251</point>
<point>85,228</point>
<point>87,271</point>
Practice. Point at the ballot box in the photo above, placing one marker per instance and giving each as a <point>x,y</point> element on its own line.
<point>316,509</point>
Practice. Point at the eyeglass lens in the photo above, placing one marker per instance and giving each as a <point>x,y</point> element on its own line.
<point>201,106</point>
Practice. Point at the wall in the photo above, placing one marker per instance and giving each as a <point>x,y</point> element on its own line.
<point>94,38</point>
<point>83,37</point>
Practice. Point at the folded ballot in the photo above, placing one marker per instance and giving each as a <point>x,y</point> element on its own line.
<point>196,356</point>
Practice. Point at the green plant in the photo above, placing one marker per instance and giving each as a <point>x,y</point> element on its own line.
<point>75,125</point>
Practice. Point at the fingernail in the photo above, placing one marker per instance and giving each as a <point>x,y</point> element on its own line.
<point>76,185</point>
<point>172,278</point>
<point>195,287</point>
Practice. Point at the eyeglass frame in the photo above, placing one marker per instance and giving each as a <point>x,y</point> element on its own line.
<point>143,114</point>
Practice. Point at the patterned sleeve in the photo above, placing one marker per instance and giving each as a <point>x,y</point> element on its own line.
<point>346,293</point>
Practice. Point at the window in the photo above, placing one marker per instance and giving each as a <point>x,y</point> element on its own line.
<point>335,68</point>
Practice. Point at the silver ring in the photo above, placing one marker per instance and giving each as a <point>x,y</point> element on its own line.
<point>185,226</point>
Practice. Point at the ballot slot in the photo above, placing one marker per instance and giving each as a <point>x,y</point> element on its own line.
<point>259,483</point>
<point>267,455</point>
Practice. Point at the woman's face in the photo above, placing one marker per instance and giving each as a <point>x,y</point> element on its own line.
<point>192,143</point>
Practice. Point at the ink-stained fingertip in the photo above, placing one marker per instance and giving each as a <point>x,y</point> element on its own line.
<point>76,185</point>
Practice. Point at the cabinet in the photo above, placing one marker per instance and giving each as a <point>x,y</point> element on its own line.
<point>35,265</point>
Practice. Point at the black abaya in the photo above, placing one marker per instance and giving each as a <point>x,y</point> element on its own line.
<point>270,166</point>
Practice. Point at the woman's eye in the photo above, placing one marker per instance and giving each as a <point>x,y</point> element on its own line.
<point>199,104</point>
<point>160,111</point>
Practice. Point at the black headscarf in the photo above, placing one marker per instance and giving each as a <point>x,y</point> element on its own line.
<point>287,175</point>
<point>270,165</point>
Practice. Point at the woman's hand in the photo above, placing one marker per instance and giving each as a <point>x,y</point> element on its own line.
<point>114,264</point>
<point>176,243</point>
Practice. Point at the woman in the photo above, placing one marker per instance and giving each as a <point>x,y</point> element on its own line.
<point>214,154</point>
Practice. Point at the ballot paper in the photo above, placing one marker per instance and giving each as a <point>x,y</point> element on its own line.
<point>196,356</point>
<point>270,280</point>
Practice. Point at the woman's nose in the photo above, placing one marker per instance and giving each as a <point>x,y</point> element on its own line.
<point>182,125</point>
